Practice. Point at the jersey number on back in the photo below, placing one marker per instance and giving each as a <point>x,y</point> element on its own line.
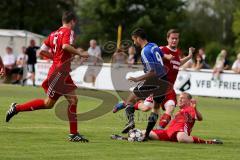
<point>159,58</point>
<point>55,42</point>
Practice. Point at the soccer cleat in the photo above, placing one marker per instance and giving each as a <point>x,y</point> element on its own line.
<point>119,106</point>
<point>128,127</point>
<point>11,112</point>
<point>118,137</point>
<point>77,138</point>
<point>217,141</point>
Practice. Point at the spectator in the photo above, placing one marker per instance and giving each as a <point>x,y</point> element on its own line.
<point>2,68</point>
<point>94,52</point>
<point>32,59</point>
<point>131,54</point>
<point>119,57</point>
<point>219,65</point>
<point>9,61</point>
<point>197,62</point>
<point>201,52</point>
<point>236,64</point>
<point>21,62</point>
<point>226,65</point>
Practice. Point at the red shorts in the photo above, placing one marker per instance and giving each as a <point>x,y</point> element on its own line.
<point>57,85</point>
<point>164,136</point>
<point>171,95</point>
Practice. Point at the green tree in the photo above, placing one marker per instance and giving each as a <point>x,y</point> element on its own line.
<point>99,19</point>
<point>41,16</point>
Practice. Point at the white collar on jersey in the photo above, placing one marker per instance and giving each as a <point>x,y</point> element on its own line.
<point>173,50</point>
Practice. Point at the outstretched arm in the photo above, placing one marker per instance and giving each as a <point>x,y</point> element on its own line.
<point>143,77</point>
<point>72,50</point>
<point>198,114</point>
<point>188,57</point>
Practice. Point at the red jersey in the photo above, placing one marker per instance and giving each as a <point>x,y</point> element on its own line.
<point>173,65</point>
<point>55,42</point>
<point>183,121</point>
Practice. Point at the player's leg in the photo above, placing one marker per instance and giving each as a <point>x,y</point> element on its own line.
<point>32,105</point>
<point>159,135</point>
<point>166,117</point>
<point>129,110</point>
<point>152,119</point>
<point>169,105</point>
<point>182,137</point>
<point>74,136</point>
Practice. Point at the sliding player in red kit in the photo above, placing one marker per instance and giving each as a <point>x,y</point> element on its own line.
<point>58,82</point>
<point>181,126</point>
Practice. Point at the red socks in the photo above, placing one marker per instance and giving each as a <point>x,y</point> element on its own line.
<point>165,119</point>
<point>72,116</point>
<point>136,105</point>
<point>31,105</point>
<point>198,140</point>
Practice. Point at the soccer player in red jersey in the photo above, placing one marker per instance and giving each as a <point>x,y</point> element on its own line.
<point>2,68</point>
<point>172,66</point>
<point>180,127</point>
<point>58,82</point>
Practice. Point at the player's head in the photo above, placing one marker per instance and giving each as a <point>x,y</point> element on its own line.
<point>184,99</point>
<point>173,38</point>
<point>138,36</point>
<point>70,18</point>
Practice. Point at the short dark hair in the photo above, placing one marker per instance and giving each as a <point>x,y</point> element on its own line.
<point>139,32</point>
<point>170,31</point>
<point>68,16</point>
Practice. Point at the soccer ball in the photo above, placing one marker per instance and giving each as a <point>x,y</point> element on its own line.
<point>135,135</point>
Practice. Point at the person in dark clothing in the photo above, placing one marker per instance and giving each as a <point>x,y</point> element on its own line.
<point>32,59</point>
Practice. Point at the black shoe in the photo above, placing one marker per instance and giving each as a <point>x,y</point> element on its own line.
<point>217,141</point>
<point>16,82</point>
<point>128,127</point>
<point>118,137</point>
<point>23,82</point>
<point>77,138</point>
<point>11,112</point>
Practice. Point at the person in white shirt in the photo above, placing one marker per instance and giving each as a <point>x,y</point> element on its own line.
<point>94,52</point>
<point>236,64</point>
<point>21,63</point>
<point>95,60</point>
<point>9,61</point>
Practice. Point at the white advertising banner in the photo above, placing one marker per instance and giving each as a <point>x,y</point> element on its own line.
<point>107,77</point>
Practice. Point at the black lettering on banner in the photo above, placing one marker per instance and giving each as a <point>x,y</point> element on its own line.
<point>208,84</point>
<point>198,83</point>
<point>225,85</point>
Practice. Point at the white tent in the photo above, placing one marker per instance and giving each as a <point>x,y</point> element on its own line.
<point>17,39</point>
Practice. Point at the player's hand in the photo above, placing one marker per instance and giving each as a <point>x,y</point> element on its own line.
<point>194,103</point>
<point>190,52</point>
<point>2,72</point>
<point>84,54</point>
<point>133,79</point>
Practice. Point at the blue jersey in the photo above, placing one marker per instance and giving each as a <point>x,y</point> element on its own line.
<point>151,57</point>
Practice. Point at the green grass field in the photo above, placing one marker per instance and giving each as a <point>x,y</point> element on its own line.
<point>42,135</point>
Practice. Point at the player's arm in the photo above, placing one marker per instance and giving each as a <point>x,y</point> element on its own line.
<point>198,114</point>
<point>70,49</point>
<point>188,57</point>
<point>44,51</point>
<point>168,57</point>
<point>143,77</point>
<point>2,68</point>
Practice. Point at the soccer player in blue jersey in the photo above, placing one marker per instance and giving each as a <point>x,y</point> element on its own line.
<point>152,82</point>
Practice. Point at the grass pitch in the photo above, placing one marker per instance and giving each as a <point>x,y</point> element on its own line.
<point>42,135</point>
